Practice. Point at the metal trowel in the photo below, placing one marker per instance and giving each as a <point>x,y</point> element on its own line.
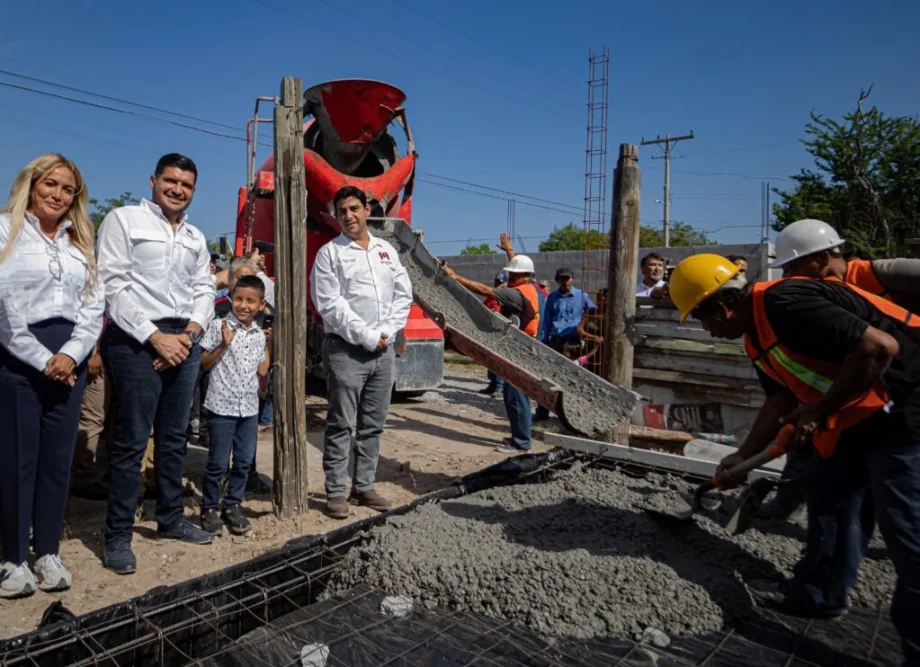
<point>740,471</point>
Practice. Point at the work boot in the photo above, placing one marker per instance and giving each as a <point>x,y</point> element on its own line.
<point>370,499</point>
<point>120,559</point>
<point>789,500</point>
<point>337,507</point>
<point>236,522</point>
<point>211,522</point>
<point>788,599</point>
<point>51,573</point>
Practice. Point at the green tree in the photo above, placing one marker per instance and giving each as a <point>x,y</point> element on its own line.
<point>682,235</point>
<point>481,249</point>
<point>100,209</point>
<point>864,181</point>
<point>573,237</point>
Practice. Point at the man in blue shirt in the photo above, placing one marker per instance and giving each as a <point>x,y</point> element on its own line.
<point>562,316</point>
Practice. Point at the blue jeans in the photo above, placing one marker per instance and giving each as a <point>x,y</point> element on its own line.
<point>236,435</point>
<point>266,412</point>
<point>517,407</point>
<point>146,400</point>
<point>495,382</point>
<point>40,419</point>
<point>888,473</point>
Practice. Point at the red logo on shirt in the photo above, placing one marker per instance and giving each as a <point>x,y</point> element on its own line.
<point>384,255</point>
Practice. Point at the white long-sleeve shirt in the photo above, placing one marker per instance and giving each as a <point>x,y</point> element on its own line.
<point>152,273</point>
<point>42,279</point>
<point>360,293</point>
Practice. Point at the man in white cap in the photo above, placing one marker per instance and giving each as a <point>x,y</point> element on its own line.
<point>518,299</point>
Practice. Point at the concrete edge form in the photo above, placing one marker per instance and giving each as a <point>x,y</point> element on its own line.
<point>671,462</point>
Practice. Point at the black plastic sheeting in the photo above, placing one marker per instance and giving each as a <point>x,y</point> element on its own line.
<point>264,611</point>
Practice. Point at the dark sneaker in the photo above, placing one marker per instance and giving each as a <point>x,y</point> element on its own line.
<point>236,522</point>
<point>488,391</point>
<point>370,499</point>
<point>337,507</point>
<point>94,491</point>
<point>211,522</point>
<point>185,531</point>
<point>786,599</point>
<point>508,447</point>
<point>120,559</point>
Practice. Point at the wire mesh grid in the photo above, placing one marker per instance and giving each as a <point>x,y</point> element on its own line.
<point>266,616</point>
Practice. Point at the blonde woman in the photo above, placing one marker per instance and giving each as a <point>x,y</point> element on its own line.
<point>51,305</point>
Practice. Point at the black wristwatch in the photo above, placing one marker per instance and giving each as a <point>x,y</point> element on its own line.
<point>193,335</point>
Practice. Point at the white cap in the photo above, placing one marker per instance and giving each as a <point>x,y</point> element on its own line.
<point>803,238</point>
<point>519,264</point>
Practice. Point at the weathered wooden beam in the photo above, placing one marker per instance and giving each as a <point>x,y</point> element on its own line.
<point>622,267</point>
<point>290,331</point>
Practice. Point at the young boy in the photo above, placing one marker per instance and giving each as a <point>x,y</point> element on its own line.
<point>235,350</point>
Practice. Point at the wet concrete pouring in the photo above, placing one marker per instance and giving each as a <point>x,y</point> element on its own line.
<point>577,556</point>
<point>591,406</point>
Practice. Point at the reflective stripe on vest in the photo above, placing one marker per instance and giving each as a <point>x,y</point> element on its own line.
<point>529,292</point>
<point>861,274</point>
<point>809,379</point>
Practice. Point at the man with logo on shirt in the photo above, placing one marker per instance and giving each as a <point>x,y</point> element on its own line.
<point>562,316</point>
<point>363,295</point>
<point>156,270</point>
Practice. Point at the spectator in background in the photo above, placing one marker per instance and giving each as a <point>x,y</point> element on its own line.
<point>575,352</point>
<point>652,283</point>
<point>51,304</point>
<point>156,269</point>
<point>495,382</point>
<point>90,461</point>
<point>740,262</point>
<point>258,261</point>
<point>565,310</point>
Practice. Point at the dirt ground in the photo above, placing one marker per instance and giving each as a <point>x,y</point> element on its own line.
<point>428,443</point>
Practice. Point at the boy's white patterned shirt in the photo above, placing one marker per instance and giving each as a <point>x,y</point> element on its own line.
<point>233,389</point>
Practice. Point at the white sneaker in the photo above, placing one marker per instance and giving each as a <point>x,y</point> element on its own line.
<point>16,581</point>
<point>52,575</point>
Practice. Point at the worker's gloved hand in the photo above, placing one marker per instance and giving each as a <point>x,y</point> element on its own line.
<point>730,461</point>
<point>807,419</point>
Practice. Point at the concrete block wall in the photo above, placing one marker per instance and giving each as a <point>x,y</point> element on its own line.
<point>484,267</point>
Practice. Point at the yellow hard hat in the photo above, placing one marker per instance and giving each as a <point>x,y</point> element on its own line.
<point>697,278</point>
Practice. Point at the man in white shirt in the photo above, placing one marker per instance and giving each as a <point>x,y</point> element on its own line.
<point>363,294</point>
<point>652,283</point>
<point>156,270</point>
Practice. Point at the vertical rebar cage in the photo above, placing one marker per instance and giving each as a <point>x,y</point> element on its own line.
<point>596,219</point>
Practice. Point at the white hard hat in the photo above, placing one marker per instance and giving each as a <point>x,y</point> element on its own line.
<point>803,238</point>
<point>519,264</point>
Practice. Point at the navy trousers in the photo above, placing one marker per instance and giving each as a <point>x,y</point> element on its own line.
<point>40,418</point>
<point>146,400</point>
<point>234,436</point>
<point>866,473</point>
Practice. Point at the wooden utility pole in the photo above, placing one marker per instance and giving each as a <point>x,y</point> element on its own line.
<point>623,269</point>
<point>290,330</point>
<point>668,142</point>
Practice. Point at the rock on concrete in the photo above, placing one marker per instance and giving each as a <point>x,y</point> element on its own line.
<point>576,556</point>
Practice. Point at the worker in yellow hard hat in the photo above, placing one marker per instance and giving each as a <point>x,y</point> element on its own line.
<point>843,366</point>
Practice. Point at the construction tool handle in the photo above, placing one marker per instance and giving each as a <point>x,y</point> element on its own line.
<point>774,451</point>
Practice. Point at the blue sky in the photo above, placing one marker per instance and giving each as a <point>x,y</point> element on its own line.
<point>496,93</point>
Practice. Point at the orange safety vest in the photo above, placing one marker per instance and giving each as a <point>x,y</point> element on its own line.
<point>861,274</point>
<point>809,379</point>
<point>529,292</point>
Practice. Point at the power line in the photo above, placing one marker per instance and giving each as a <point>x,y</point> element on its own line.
<point>575,209</point>
<point>490,196</point>
<point>475,39</point>
<point>743,149</point>
<point>117,99</point>
<point>125,112</point>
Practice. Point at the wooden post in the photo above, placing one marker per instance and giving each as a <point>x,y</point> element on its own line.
<point>623,267</point>
<point>290,330</point>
